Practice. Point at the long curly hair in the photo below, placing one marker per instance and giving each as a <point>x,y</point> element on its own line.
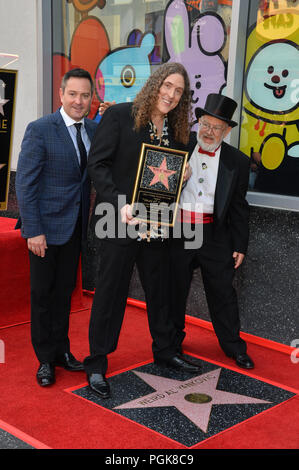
<point>180,117</point>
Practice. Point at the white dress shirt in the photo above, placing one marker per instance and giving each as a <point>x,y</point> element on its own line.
<point>69,122</point>
<point>198,194</point>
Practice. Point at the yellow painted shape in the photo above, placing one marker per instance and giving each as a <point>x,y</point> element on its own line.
<point>273,153</point>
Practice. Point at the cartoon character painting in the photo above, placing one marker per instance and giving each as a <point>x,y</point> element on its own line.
<point>86,51</point>
<point>198,48</point>
<point>271,114</point>
<point>84,6</point>
<point>123,72</point>
<point>120,73</point>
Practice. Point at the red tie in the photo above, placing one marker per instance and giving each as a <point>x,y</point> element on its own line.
<point>210,154</point>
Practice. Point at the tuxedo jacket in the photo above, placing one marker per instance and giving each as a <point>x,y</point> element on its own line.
<point>50,188</point>
<point>231,208</point>
<point>114,157</point>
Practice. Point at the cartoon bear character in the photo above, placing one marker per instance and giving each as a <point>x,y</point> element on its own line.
<point>198,49</point>
<point>270,109</point>
<point>123,72</point>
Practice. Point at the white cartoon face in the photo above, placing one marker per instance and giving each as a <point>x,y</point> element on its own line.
<point>272,75</point>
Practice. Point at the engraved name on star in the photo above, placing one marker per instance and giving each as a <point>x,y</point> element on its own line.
<point>161,174</point>
<point>193,397</point>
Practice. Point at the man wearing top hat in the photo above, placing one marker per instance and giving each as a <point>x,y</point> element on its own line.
<point>214,197</point>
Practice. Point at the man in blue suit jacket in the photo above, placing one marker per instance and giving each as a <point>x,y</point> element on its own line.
<point>53,190</point>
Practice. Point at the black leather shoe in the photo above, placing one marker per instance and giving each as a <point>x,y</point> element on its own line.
<point>244,361</point>
<point>179,363</point>
<point>99,384</point>
<point>69,362</point>
<point>45,374</point>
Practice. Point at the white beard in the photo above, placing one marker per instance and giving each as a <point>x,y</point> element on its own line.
<point>208,147</point>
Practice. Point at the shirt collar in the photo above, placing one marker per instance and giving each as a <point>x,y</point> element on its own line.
<point>68,120</point>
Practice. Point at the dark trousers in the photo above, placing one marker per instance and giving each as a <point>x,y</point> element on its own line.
<point>53,279</point>
<point>215,260</point>
<point>116,266</point>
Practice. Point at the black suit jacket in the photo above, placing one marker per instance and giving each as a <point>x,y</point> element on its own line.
<point>230,205</point>
<point>114,157</point>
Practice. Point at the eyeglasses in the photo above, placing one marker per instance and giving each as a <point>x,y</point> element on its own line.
<point>215,129</point>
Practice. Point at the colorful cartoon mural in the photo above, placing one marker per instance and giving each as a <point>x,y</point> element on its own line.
<point>269,132</point>
<point>198,48</point>
<point>123,72</point>
<point>89,45</point>
<point>84,6</point>
<point>119,73</point>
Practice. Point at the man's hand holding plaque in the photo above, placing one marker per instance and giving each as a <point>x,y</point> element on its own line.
<point>127,215</point>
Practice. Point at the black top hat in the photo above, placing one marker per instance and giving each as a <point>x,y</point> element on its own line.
<point>219,106</point>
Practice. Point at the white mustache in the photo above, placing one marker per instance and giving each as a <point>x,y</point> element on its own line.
<point>207,147</point>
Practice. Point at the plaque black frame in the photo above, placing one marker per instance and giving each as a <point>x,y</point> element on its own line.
<point>157,194</point>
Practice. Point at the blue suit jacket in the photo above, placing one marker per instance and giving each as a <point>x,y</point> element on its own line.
<point>49,184</point>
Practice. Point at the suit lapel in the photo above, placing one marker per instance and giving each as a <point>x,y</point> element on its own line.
<point>140,137</point>
<point>89,129</point>
<point>225,178</point>
<point>90,132</point>
<point>64,134</point>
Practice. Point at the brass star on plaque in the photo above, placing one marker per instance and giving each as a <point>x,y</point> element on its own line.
<point>193,397</point>
<point>161,174</point>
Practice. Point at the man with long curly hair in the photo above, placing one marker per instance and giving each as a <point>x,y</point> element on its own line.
<point>159,115</point>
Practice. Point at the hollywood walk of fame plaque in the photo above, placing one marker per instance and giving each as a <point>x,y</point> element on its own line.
<point>185,407</point>
<point>7,105</point>
<point>158,184</point>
